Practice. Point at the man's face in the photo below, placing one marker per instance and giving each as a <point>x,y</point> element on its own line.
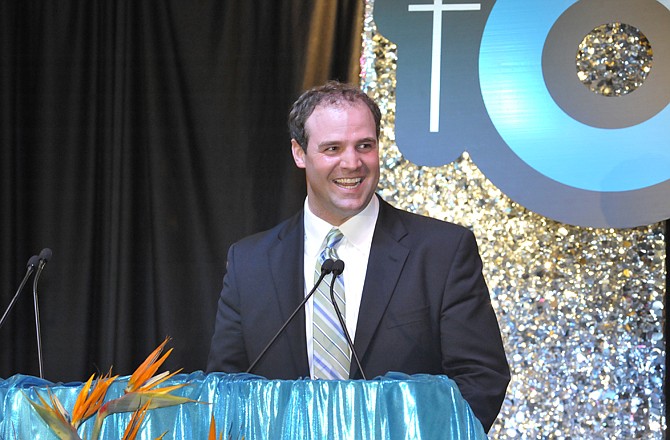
<point>341,162</point>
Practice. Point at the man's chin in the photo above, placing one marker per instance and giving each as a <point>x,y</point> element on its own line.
<point>351,207</point>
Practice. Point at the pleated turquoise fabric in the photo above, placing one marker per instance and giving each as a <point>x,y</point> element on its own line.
<point>395,406</point>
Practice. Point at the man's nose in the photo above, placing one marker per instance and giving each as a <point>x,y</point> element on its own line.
<point>351,158</point>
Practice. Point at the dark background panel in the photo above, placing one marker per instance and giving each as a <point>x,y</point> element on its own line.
<point>138,141</point>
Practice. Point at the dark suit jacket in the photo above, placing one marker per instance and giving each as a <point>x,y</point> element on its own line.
<point>425,308</point>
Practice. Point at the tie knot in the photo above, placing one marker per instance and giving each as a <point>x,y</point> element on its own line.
<point>333,238</point>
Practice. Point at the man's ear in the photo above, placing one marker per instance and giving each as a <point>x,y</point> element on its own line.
<point>298,154</point>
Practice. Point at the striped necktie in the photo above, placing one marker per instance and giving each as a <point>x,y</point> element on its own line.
<point>331,357</point>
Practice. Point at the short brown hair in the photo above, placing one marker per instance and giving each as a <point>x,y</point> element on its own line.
<point>331,93</point>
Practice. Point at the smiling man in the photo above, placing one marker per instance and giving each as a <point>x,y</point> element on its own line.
<point>412,295</point>
<point>340,158</point>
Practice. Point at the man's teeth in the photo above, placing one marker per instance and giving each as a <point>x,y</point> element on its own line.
<point>349,181</point>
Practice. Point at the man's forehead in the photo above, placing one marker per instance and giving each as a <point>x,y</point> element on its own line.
<point>339,105</point>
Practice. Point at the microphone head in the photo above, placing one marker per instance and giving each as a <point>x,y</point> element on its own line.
<point>327,266</point>
<point>45,254</point>
<point>338,267</point>
<point>34,261</point>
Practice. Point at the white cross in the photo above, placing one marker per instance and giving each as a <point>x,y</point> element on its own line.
<point>438,8</point>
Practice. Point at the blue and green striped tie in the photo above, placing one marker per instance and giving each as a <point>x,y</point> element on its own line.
<point>331,357</point>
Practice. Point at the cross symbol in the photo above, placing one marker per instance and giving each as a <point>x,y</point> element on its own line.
<point>437,8</point>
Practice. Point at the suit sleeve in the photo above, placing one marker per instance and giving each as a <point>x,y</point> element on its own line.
<point>472,348</point>
<point>227,351</point>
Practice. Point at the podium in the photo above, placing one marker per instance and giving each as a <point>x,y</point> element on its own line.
<point>394,406</point>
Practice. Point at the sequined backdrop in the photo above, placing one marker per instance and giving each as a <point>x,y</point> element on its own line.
<point>580,309</point>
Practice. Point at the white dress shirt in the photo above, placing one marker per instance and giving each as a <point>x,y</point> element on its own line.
<point>354,250</point>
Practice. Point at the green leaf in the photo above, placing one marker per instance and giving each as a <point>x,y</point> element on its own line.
<point>55,420</point>
<point>132,401</point>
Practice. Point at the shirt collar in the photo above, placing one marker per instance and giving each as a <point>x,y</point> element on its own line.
<point>357,230</point>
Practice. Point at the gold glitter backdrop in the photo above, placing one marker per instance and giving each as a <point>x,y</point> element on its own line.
<point>580,309</point>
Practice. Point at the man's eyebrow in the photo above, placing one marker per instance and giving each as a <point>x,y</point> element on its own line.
<point>328,143</point>
<point>339,142</point>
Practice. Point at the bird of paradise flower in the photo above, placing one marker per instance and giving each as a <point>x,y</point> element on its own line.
<point>140,396</point>
<point>212,431</point>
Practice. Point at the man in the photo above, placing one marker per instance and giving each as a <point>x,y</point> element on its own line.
<point>415,297</point>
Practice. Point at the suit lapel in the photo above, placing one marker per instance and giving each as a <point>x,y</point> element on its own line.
<point>387,258</point>
<point>286,260</point>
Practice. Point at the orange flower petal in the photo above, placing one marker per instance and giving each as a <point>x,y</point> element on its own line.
<point>135,422</point>
<point>147,368</point>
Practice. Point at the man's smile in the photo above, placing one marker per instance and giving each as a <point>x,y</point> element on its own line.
<point>348,182</point>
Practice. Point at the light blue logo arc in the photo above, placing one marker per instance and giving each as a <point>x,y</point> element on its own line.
<point>498,79</point>
<point>541,133</point>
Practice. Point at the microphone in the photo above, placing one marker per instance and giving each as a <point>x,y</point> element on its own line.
<point>45,255</point>
<point>326,268</point>
<point>32,263</point>
<point>338,268</point>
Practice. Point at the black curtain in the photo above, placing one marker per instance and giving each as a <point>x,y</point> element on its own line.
<point>139,140</point>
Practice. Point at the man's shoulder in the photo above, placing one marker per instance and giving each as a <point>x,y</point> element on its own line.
<point>415,222</point>
<point>270,236</point>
